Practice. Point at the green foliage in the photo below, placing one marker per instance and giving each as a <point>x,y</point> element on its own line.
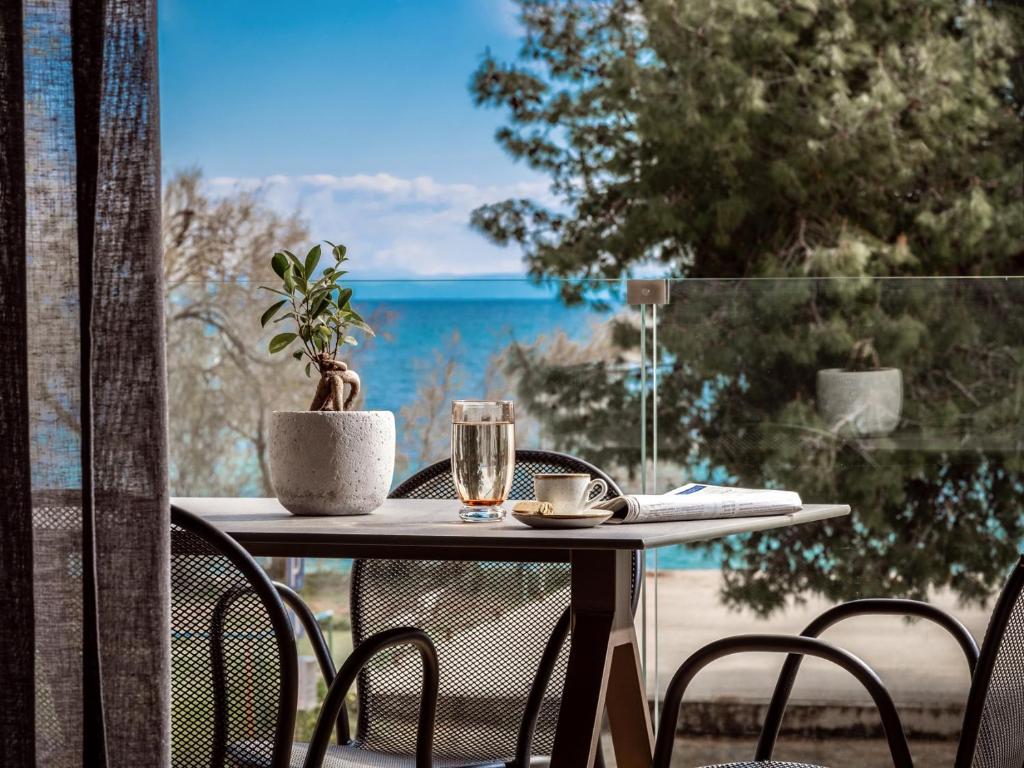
<point>830,144</point>
<point>213,250</point>
<point>319,307</point>
<point>756,138</point>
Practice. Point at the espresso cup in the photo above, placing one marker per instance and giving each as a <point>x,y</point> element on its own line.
<point>568,494</point>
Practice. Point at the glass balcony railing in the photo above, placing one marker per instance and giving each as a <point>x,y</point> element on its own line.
<point>903,398</point>
<point>435,341</point>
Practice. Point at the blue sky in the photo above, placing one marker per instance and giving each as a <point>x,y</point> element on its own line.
<point>356,112</point>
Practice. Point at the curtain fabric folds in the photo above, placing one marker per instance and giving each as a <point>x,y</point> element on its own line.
<point>84,551</point>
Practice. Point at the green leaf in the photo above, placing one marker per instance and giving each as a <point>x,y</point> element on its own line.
<point>322,292</point>
<point>298,355</point>
<point>312,259</point>
<point>361,325</point>
<point>307,369</point>
<point>277,291</point>
<point>344,296</point>
<point>281,341</point>
<point>279,264</point>
<point>265,318</point>
<point>350,340</point>
<point>339,252</point>
<point>295,263</point>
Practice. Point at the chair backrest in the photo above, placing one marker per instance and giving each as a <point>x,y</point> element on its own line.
<point>489,621</point>
<point>233,658</point>
<point>993,732</point>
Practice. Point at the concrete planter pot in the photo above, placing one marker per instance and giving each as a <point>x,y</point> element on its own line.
<point>332,462</point>
<point>860,403</point>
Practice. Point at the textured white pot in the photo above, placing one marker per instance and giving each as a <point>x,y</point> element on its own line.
<point>332,462</point>
<point>860,403</point>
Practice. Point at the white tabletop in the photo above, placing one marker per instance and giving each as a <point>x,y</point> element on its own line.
<point>263,525</point>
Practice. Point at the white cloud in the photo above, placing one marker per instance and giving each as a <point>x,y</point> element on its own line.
<point>394,226</point>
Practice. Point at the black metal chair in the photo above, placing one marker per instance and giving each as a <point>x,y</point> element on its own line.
<point>234,667</point>
<point>499,629</point>
<point>993,730</point>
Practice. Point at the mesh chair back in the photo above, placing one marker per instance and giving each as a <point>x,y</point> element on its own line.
<point>993,732</point>
<point>489,621</point>
<point>233,658</point>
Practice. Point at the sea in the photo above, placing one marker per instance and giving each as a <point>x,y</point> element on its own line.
<point>417,337</point>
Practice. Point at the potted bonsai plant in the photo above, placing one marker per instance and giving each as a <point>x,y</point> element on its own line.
<point>863,399</point>
<point>331,459</point>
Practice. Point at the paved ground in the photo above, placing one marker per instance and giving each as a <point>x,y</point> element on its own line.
<point>920,664</point>
<point>834,753</point>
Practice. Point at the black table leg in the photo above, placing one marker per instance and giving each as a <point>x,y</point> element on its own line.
<point>604,667</point>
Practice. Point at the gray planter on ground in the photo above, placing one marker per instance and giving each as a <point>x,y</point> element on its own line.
<point>860,403</point>
<point>332,462</point>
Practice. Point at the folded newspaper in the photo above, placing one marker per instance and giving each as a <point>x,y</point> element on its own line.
<point>695,501</point>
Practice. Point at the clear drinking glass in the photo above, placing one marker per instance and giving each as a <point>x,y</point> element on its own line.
<point>483,456</point>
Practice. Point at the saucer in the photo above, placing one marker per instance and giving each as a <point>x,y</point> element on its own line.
<point>583,520</point>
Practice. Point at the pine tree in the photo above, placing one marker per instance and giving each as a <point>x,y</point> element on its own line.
<point>808,139</point>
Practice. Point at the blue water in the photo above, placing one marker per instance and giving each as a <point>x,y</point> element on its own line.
<point>417,336</point>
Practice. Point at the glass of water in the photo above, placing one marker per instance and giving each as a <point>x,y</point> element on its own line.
<point>483,456</point>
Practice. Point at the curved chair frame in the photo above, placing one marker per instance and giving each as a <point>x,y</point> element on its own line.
<point>351,667</point>
<point>334,704</point>
<point>986,664</point>
<point>872,606</point>
<point>274,597</point>
<point>320,650</point>
<point>524,742</point>
<point>260,584</point>
<point>804,646</point>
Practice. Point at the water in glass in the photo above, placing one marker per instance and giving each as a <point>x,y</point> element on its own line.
<point>483,457</point>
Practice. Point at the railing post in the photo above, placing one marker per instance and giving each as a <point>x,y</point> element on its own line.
<point>648,293</point>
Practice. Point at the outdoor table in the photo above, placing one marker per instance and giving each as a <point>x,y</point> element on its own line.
<point>604,671</point>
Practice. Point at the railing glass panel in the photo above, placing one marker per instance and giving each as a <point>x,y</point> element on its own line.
<point>436,340</point>
<point>903,398</point>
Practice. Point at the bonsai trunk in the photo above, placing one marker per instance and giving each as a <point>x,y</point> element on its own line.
<point>330,390</point>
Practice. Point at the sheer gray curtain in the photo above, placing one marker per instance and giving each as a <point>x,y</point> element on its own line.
<point>84,551</point>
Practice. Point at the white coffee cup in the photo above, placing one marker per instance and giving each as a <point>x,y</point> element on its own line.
<point>568,494</point>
